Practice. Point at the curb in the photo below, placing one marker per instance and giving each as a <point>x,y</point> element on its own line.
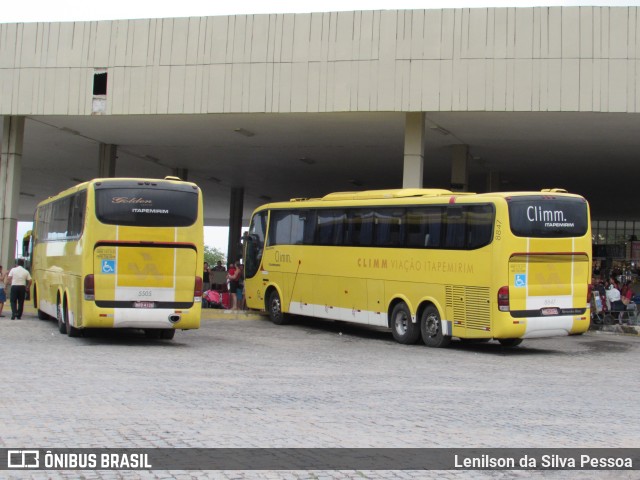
<point>218,314</point>
<point>616,329</point>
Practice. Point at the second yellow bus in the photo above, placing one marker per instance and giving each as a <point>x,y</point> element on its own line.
<point>426,263</point>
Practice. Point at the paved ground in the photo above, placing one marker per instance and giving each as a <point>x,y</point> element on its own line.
<point>249,383</point>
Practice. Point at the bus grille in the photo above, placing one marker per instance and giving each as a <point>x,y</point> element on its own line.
<point>471,306</point>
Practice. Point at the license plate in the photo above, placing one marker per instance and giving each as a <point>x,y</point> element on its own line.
<point>144,304</point>
<point>550,311</point>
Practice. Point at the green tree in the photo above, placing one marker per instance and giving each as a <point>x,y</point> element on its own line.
<point>212,255</point>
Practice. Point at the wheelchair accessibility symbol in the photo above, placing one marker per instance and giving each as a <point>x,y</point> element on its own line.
<point>108,266</point>
<point>520,280</point>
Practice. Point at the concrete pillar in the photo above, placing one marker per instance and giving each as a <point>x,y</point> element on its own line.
<point>107,160</point>
<point>181,173</point>
<point>460,168</point>
<point>235,224</point>
<point>493,181</point>
<point>10,170</point>
<point>413,150</point>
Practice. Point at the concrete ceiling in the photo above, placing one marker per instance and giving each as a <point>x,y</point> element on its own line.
<point>307,155</point>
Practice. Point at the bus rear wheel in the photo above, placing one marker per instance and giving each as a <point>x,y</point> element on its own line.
<point>152,333</point>
<point>274,307</point>
<point>431,328</point>
<point>510,342</point>
<point>62,326</point>
<point>167,333</point>
<point>403,329</point>
<point>36,305</point>
<point>71,330</point>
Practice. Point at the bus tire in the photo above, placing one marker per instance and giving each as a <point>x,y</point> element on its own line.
<point>510,342</point>
<point>274,307</point>
<point>403,329</point>
<point>431,328</point>
<point>71,330</point>
<point>41,314</point>
<point>167,333</point>
<point>152,333</point>
<point>62,326</point>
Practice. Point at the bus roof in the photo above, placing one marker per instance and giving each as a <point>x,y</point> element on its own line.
<point>118,181</point>
<point>402,195</point>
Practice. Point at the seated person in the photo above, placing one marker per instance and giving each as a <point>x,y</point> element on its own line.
<point>626,294</point>
<point>614,304</point>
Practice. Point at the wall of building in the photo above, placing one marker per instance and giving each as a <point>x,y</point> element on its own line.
<point>488,59</point>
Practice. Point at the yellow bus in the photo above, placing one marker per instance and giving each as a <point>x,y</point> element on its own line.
<point>426,263</point>
<point>120,253</point>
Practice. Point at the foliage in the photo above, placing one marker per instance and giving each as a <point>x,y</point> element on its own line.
<point>212,255</point>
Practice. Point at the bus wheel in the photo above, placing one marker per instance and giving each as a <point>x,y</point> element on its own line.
<point>71,330</point>
<point>275,309</point>
<point>510,342</point>
<point>62,327</point>
<point>403,329</point>
<point>431,328</point>
<point>41,314</point>
<point>152,333</point>
<point>167,333</point>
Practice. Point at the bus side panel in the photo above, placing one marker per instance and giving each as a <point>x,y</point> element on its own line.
<point>53,264</point>
<point>375,303</point>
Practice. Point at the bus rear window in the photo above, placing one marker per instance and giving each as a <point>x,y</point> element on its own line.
<point>554,217</point>
<point>146,207</point>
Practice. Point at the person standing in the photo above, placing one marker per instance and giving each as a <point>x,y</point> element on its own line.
<point>206,277</point>
<point>3,294</point>
<point>232,280</point>
<point>20,279</point>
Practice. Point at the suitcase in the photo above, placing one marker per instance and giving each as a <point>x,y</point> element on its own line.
<point>216,299</point>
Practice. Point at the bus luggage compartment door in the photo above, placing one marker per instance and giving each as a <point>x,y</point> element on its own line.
<point>548,290</point>
<point>153,280</point>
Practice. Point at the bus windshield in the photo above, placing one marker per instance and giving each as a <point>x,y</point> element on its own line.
<point>146,207</point>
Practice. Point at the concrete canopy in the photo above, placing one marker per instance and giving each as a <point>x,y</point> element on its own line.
<point>308,155</point>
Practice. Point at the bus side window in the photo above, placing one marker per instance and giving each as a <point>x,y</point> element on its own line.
<point>434,220</point>
<point>389,228</point>
<point>417,228</point>
<point>76,215</point>
<point>330,227</point>
<point>309,227</point>
<point>280,231</point>
<point>455,228</point>
<point>359,229</point>
<point>479,225</point>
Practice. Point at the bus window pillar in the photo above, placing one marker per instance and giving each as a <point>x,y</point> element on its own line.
<point>460,168</point>
<point>412,175</point>
<point>235,224</point>
<point>107,160</point>
<point>10,176</point>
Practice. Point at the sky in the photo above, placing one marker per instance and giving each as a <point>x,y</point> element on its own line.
<point>82,10</point>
